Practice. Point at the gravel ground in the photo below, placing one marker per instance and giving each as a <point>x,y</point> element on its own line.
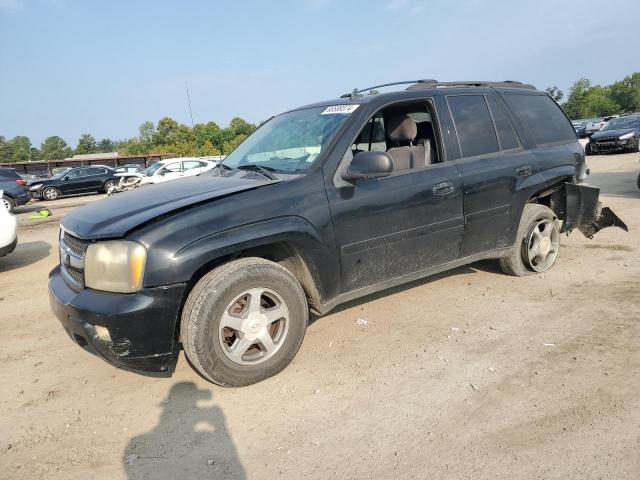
<point>468,374</point>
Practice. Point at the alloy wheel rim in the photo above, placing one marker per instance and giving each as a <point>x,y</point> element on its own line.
<point>7,205</point>
<point>254,326</point>
<point>541,245</point>
<point>50,194</point>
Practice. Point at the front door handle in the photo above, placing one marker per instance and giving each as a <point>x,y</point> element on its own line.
<point>443,188</point>
<point>524,171</point>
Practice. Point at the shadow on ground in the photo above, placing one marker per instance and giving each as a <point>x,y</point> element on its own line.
<point>24,254</point>
<point>190,441</point>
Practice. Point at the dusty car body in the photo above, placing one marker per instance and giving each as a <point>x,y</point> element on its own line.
<point>321,205</point>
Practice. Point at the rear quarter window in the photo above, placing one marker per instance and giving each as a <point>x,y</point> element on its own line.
<point>543,117</point>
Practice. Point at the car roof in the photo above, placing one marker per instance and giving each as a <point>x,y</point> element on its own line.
<point>420,90</point>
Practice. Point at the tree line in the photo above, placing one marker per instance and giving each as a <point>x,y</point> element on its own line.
<point>585,100</point>
<point>166,137</point>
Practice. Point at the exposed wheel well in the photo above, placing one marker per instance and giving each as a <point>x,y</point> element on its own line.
<point>546,196</point>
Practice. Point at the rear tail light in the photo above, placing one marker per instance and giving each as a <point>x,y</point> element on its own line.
<point>21,182</point>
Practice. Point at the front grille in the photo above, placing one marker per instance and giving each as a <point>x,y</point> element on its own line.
<point>75,244</point>
<point>72,252</point>
<point>76,275</point>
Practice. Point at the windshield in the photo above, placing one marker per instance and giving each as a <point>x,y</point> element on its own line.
<point>151,169</point>
<point>621,123</point>
<point>290,143</point>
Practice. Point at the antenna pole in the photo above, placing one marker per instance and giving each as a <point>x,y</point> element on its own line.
<point>186,87</point>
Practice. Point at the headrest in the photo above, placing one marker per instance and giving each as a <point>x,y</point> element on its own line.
<point>401,129</point>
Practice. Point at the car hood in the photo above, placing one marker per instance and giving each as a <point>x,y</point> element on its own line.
<point>114,216</point>
<point>611,133</point>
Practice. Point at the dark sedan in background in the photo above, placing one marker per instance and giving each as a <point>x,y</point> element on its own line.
<point>71,182</point>
<point>621,134</point>
<point>14,189</point>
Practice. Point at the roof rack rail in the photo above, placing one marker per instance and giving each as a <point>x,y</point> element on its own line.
<point>477,83</point>
<point>357,92</point>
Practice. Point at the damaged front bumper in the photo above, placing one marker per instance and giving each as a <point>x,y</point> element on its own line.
<point>578,206</point>
<point>135,331</point>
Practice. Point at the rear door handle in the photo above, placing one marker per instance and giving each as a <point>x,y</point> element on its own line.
<point>524,171</point>
<point>443,188</point>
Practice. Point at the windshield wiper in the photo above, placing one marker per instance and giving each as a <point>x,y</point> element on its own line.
<point>266,171</point>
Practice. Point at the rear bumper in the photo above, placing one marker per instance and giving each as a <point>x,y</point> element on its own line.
<point>140,326</point>
<point>23,200</point>
<point>6,250</point>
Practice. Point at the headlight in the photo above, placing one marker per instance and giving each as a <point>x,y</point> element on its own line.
<point>115,266</point>
<point>626,136</point>
<point>37,186</point>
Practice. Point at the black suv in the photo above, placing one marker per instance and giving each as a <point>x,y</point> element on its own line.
<point>14,188</point>
<point>73,181</point>
<point>321,205</point>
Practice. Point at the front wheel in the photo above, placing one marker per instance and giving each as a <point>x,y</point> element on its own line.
<point>537,242</point>
<point>244,322</point>
<point>50,193</point>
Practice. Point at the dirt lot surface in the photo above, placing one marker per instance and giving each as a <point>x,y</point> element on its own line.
<point>469,374</point>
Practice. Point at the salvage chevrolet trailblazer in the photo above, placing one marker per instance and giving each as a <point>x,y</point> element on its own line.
<point>321,205</point>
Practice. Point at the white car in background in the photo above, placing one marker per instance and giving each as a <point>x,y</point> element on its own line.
<point>8,225</point>
<point>170,169</point>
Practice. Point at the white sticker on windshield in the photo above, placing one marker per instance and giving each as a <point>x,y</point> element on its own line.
<point>340,109</point>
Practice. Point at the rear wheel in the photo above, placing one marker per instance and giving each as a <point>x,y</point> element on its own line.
<point>109,185</point>
<point>8,204</point>
<point>537,243</point>
<point>587,149</point>
<point>50,193</point>
<point>244,322</point>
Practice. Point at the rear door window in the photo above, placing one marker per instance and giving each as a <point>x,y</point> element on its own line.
<point>506,134</point>
<point>543,117</point>
<point>473,124</point>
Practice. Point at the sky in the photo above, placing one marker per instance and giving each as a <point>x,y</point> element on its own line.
<point>69,67</point>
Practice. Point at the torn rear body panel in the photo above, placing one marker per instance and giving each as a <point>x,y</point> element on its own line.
<point>578,206</point>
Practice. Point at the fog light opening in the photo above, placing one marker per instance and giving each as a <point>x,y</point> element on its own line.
<point>102,333</point>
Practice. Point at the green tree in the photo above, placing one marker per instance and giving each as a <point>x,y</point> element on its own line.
<point>166,132</point>
<point>576,105</point>
<point>626,93</point>
<point>145,134</point>
<point>20,148</point>
<point>208,149</point>
<point>555,93</point>
<point>240,126</point>
<point>207,132</point>
<point>230,145</point>
<point>106,145</point>
<point>55,148</point>
<point>86,144</point>
<point>6,152</point>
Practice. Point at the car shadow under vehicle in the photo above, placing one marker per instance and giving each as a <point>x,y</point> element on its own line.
<point>25,254</point>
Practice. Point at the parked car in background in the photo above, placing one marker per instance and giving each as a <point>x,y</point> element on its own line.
<point>321,205</point>
<point>169,169</point>
<point>8,226</point>
<point>73,181</point>
<point>580,128</point>
<point>620,134</point>
<point>15,189</point>
<point>592,125</point>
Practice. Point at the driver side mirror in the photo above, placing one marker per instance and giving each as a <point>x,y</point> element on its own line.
<point>369,165</point>
<point>66,179</point>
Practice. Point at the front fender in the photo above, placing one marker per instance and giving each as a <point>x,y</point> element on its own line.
<point>295,231</point>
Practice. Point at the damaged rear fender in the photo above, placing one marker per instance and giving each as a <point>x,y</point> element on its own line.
<point>578,206</point>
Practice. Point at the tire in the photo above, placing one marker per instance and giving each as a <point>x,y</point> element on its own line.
<point>587,149</point>
<point>224,297</point>
<point>50,193</point>
<point>519,263</point>
<point>638,182</point>
<point>109,184</point>
<point>9,204</point>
